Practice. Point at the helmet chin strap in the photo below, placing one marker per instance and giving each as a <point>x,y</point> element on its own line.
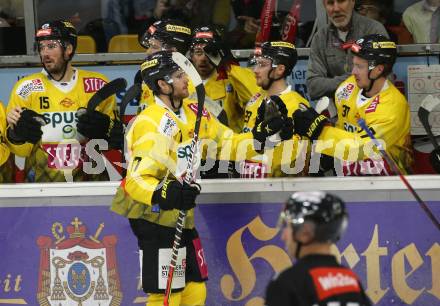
<point>170,96</point>
<point>370,69</point>
<point>271,80</point>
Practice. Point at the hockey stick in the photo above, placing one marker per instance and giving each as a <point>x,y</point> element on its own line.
<point>192,73</point>
<point>322,104</point>
<point>131,94</point>
<point>106,91</point>
<point>428,104</point>
<point>397,171</point>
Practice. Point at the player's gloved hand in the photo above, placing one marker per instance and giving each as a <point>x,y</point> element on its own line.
<point>307,122</point>
<point>435,160</point>
<point>93,125</point>
<point>273,107</point>
<point>116,137</point>
<point>267,128</point>
<point>28,128</point>
<point>218,53</point>
<point>174,195</point>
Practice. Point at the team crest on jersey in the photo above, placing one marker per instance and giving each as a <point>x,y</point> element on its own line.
<point>229,88</point>
<point>373,105</point>
<point>253,99</point>
<point>193,107</point>
<point>345,92</point>
<point>93,84</point>
<point>78,270</point>
<point>167,125</point>
<point>66,102</point>
<point>29,86</point>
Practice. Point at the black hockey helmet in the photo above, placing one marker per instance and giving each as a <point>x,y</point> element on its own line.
<point>376,49</point>
<point>325,210</point>
<point>280,52</point>
<point>172,33</point>
<point>158,66</point>
<point>205,34</point>
<point>61,30</point>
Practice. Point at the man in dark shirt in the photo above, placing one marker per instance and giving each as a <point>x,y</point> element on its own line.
<point>312,222</point>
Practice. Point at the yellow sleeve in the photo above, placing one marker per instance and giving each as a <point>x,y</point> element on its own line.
<point>243,81</point>
<point>149,157</point>
<point>4,149</point>
<point>25,149</point>
<point>388,127</point>
<point>230,145</point>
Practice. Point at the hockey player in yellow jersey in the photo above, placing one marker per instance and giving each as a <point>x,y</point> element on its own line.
<point>151,194</point>
<point>367,94</point>
<point>44,126</point>
<point>273,62</point>
<point>228,85</point>
<point>5,156</point>
<point>162,35</point>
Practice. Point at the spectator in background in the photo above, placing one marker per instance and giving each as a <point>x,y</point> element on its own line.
<point>381,11</point>
<point>329,62</point>
<point>422,19</point>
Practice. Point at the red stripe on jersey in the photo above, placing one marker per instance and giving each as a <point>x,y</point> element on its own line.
<point>373,105</point>
<point>193,107</point>
<point>331,281</point>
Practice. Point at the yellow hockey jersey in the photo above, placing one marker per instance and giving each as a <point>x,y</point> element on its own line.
<point>228,91</point>
<point>61,154</point>
<point>387,115</point>
<point>282,160</point>
<point>159,144</point>
<point>5,156</point>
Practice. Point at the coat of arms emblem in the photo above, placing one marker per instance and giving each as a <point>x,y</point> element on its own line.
<point>78,270</point>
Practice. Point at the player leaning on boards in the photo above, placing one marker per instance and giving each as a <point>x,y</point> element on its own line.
<point>151,194</point>
<point>368,95</point>
<point>42,110</point>
<point>273,62</point>
<point>311,223</point>
<point>5,156</point>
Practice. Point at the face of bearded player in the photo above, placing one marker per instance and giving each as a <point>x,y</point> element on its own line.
<point>53,56</point>
<point>201,61</point>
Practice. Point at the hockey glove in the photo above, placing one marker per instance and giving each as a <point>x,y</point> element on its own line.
<point>116,138</point>
<point>218,53</point>
<point>93,125</point>
<point>174,195</point>
<point>28,128</point>
<point>307,122</point>
<point>267,128</point>
<point>435,160</point>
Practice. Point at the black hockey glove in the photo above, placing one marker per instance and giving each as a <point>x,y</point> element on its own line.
<point>274,107</point>
<point>174,195</point>
<point>307,122</point>
<point>116,138</point>
<point>435,160</point>
<point>267,128</point>
<point>93,125</point>
<point>28,128</point>
<point>218,53</point>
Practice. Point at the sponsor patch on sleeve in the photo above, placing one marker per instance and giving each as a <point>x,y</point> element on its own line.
<point>330,281</point>
<point>167,125</point>
<point>344,92</point>
<point>29,86</point>
<point>93,84</point>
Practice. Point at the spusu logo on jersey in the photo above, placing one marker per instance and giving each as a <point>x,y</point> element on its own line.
<point>93,84</point>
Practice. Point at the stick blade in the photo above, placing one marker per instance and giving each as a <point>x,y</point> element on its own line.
<point>322,104</point>
<point>106,91</point>
<point>429,103</point>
